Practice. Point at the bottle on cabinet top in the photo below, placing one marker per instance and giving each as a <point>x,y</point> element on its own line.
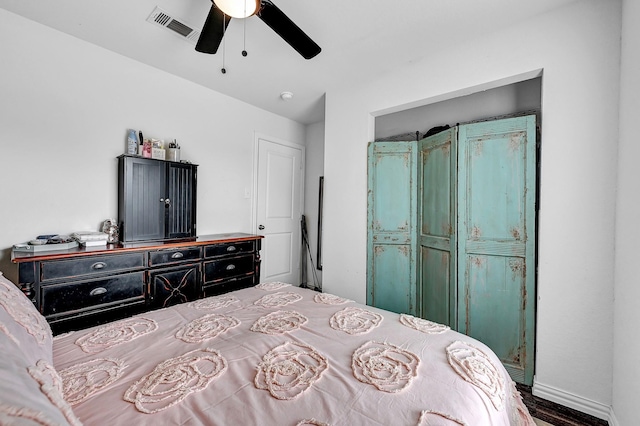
<point>132,142</point>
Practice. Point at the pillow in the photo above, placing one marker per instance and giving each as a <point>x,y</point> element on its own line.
<point>21,322</point>
<point>22,400</point>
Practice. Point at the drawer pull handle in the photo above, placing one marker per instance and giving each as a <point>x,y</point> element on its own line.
<point>98,265</point>
<point>231,248</point>
<point>98,291</point>
<point>177,255</point>
<point>231,267</point>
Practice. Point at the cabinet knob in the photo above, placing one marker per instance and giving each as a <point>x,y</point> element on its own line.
<point>231,267</point>
<point>98,265</point>
<point>231,248</point>
<point>261,227</point>
<point>177,255</point>
<point>97,291</point>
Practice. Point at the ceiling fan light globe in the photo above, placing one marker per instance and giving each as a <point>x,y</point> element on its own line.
<point>238,8</point>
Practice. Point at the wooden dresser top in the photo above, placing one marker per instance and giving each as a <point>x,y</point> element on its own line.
<point>19,257</point>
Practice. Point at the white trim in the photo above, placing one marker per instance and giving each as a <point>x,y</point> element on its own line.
<point>584,405</point>
<point>254,184</point>
<point>505,81</point>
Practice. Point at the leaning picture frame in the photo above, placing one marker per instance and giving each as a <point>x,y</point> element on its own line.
<point>319,245</point>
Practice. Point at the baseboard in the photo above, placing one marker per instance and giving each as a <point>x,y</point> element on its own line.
<point>584,405</point>
<point>612,420</point>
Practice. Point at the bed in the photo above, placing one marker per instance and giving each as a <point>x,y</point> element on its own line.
<point>273,354</point>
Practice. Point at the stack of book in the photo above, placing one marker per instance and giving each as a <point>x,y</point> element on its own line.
<point>90,238</point>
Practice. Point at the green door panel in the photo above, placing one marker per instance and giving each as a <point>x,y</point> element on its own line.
<point>391,194</point>
<point>436,284</point>
<point>493,295</point>
<point>436,224</point>
<point>390,269</point>
<point>391,223</point>
<point>496,239</point>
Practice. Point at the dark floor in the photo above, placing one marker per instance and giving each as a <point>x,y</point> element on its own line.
<point>557,415</point>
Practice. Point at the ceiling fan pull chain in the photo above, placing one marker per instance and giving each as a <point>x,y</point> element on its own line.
<point>223,70</point>
<point>244,37</point>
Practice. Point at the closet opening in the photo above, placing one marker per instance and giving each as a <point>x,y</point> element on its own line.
<point>500,102</point>
<point>452,217</point>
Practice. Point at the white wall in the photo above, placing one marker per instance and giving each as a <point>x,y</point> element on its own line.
<point>626,373</point>
<point>513,98</point>
<point>314,168</point>
<point>65,106</point>
<point>578,49</point>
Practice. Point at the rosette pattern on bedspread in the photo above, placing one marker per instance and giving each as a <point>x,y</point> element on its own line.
<point>283,355</point>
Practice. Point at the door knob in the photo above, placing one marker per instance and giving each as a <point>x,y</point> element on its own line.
<point>261,227</point>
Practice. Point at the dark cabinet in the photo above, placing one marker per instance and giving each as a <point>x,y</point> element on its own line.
<point>81,287</point>
<point>156,199</point>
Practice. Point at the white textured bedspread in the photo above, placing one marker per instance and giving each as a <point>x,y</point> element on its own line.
<point>281,355</point>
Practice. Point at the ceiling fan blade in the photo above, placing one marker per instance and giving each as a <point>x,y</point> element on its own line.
<point>288,30</point>
<point>213,31</point>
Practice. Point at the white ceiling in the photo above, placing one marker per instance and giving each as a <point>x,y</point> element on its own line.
<point>359,39</point>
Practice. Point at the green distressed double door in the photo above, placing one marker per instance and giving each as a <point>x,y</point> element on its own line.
<point>459,245</point>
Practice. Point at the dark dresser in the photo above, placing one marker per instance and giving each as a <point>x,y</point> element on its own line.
<point>82,287</point>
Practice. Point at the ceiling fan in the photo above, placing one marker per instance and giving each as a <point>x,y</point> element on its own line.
<point>223,10</point>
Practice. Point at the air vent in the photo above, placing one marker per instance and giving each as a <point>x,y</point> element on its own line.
<point>161,18</point>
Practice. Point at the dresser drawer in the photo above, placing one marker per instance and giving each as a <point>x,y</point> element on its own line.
<point>70,268</point>
<point>167,257</point>
<point>215,270</point>
<point>59,299</point>
<point>227,286</point>
<point>228,249</point>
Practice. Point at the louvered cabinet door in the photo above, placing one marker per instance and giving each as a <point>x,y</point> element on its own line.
<point>181,209</point>
<point>391,224</point>
<point>141,188</point>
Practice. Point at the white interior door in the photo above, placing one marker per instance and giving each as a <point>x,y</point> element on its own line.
<point>279,208</point>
